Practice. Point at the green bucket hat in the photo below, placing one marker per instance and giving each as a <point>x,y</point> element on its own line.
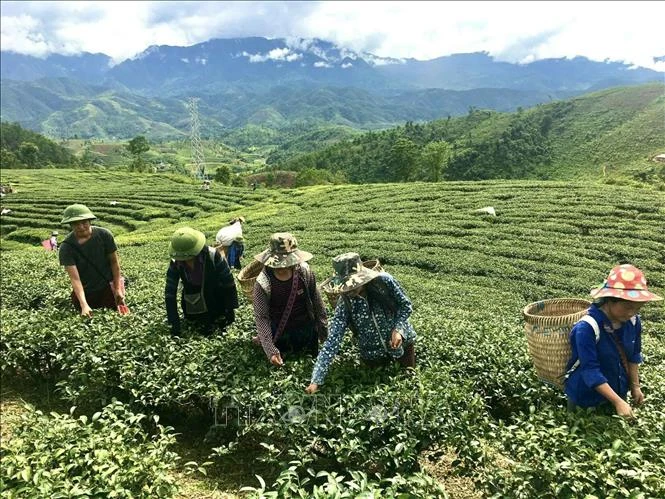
<point>350,273</point>
<point>76,213</point>
<point>283,252</point>
<point>186,243</point>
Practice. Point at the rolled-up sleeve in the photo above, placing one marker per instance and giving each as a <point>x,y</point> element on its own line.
<point>332,344</point>
<point>587,352</point>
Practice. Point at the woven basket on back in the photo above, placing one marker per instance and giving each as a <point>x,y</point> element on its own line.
<point>247,277</point>
<point>332,297</point>
<point>548,325</point>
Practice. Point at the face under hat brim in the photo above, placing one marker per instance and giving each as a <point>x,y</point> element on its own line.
<point>71,220</point>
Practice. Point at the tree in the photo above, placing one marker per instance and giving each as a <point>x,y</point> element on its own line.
<point>28,152</point>
<point>401,160</point>
<point>8,159</point>
<point>434,160</point>
<point>223,175</point>
<point>137,146</point>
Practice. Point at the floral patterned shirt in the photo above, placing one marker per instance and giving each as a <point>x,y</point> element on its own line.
<point>374,326</point>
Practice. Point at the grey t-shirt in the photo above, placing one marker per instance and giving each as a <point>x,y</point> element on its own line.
<point>96,261</point>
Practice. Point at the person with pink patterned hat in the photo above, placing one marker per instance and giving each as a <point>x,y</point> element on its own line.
<point>607,345</point>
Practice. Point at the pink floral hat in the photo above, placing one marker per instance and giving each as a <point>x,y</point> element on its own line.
<point>626,282</point>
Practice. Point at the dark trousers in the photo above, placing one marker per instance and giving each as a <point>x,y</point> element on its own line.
<point>406,360</point>
<point>102,298</point>
<point>300,340</point>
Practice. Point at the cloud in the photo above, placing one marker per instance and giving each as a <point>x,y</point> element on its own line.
<point>510,31</point>
<point>321,64</point>
<point>281,54</point>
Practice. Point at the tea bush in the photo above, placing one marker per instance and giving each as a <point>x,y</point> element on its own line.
<point>106,455</point>
<point>474,391</point>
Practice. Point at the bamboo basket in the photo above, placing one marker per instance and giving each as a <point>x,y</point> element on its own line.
<point>247,277</point>
<point>548,325</point>
<point>332,297</point>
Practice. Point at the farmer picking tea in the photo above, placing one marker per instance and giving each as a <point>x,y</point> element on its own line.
<point>607,344</point>
<point>231,243</point>
<point>375,306</point>
<point>288,310</point>
<point>90,257</point>
<point>209,295</point>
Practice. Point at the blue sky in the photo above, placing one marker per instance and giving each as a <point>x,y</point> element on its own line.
<point>511,31</point>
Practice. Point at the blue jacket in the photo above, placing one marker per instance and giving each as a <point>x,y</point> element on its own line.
<point>600,362</point>
<point>372,343</point>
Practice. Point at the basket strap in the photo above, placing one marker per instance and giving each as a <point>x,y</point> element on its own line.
<point>596,330</point>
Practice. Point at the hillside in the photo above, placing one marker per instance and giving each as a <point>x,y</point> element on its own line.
<point>620,128</point>
<point>471,420</point>
<point>20,148</point>
<point>65,108</point>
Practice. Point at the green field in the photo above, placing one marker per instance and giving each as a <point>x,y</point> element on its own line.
<point>472,421</point>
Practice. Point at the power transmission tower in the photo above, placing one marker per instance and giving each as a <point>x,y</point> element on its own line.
<point>198,162</point>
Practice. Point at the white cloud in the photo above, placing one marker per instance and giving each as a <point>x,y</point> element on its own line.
<point>347,65</point>
<point>281,54</point>
<point>511,31</point>
<point>321,64</point>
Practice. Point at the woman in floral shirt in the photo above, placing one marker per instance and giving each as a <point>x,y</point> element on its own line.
<point>374,306</point>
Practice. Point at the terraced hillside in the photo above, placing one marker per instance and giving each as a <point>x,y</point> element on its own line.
<point>473,420</point>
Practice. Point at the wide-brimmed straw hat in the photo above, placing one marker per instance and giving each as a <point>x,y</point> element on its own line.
<point>186,243</point>
<point>349,273</point>
<point>626,282</point>
<point>283,252</point>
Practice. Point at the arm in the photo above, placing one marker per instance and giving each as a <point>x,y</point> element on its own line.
<point>331,346</point>
<point>77,286</point>
<point>320,313</point>
<point>585,341</point>
<point>225,282</point>
<point>262,320</point>
<point>634,362</point>
<point>171,298</point>
<point>404,307</point>
<point>119,290</point>
<point>621,406</point>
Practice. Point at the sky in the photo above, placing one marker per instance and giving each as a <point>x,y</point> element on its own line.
<point>630,32</point>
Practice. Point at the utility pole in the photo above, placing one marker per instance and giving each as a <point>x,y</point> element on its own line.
<point>198,162</point>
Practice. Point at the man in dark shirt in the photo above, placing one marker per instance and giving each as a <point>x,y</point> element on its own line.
<point>90,257</point>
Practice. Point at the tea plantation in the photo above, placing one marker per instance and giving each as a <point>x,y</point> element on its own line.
<point>473,420</point>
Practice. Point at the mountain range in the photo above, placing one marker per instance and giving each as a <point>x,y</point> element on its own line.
<point>275,82</point>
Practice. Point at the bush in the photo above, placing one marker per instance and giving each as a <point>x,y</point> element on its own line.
<point>109,455</point>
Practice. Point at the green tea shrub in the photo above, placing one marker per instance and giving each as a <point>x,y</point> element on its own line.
<point>107,455</point>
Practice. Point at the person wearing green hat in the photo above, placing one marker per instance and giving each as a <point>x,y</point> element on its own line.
<point>375,307</point>
<point>90,257</point>
<point>209,295</point>
<point>289,313</point>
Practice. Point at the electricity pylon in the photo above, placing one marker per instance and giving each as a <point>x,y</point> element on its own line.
<point>198,162</point>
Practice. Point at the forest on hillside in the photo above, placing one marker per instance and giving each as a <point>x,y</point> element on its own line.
<point>21,148</point>
<point>609,130</point>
